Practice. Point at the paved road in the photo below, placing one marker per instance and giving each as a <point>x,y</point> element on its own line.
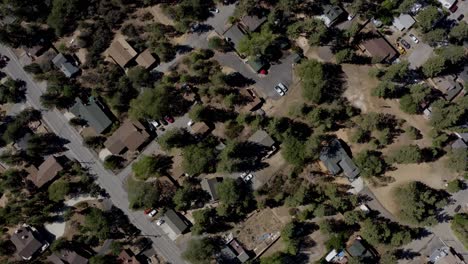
<point>113,185</point>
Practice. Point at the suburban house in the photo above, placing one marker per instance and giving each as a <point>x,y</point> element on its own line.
<point>252,22</point>
<point>67,257</point>
<point>357,249</point>
<point>200,129</point>
<point>146,59</point>
<point>209,185</point>
<point>403,22</point>
<point>121,52</point>
<point>336,160</point>
<point>46,172</point>
<point>461,142</point>
<point>255,101</point>
<point>331,14</point>
<point>447,85</point>
<point>233,252</point>
<point>92,111</point>
<point>234,35</point>
<point>127,257</point>
<point>65,66</point>
<point>28,242</point>
<point>175,222</point>
<point>379,48</point>
<point>131,135</point>
<point>264,140</point>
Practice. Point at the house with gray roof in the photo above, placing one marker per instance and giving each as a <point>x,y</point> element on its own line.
<point>336,160</point>
<point>461,142</point>
<point>65,66</point>
<point>175,222</point>
<point>234,35</point>
<point>28,242</point>
<point>209,185</point>
<point>447,85</point>
<point>67,257</point>
<point>262,138</point>
<point>403,22</point>
<point>358,250</point>
<point>92,111</point>
<point>331,14</point>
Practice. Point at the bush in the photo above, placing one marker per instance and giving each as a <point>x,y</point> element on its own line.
<point>454,186</point>
<point>459,226</point>
<point>413,133</point>
<point>407,154</point>
<point>113,162</point>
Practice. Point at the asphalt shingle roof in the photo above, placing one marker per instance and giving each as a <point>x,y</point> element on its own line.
<point>92,113</point>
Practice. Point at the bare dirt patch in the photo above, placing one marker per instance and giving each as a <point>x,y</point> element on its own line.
<point>160,16</point>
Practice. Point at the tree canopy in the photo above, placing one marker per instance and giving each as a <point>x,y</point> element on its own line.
<point>314,80</point>
<point>199,251</point>
<point>151,166</point>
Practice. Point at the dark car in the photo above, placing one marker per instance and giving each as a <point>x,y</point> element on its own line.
<point>460,17</point>
<point>405,44</point>
<point>457,209</point>
<point>454,8</point>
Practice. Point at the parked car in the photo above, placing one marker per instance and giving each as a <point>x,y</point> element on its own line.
<point>283,87</point>
<point>405,44</point>
<point>279,90</point>
<point>414,38</point>
<point>454,8</point>
<point>159,222</point>
<point>460,17</point>
<point>214,10</point>
<point>147,211</point>
<point>457,209</point>
<point>190,123</point>
<point>246,176</point>
<point>153,213</point>
<point>154,123</point>
<point>401,49</point>
<point>169,119</point>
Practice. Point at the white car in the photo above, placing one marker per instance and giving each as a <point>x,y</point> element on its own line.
<point>279,90</point>
<point>283,87</point>
<point>159,222</point>
<point>214,10</point>
<point>190,123</point>
<point>154,123</point>
<point>153,213</point>
<point>246,176</point>
<point>414,38</point>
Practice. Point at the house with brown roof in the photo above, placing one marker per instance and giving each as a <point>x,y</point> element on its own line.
<point>252,22</point>
<point>127,257</point>
<point>46,172</point>
<point>200,129</point>
<point>67,257</point>
<point>378,47</point>
<point>28,242</point>
<point>121,52</point>
<point>129,136</point>
<point>146,59</point>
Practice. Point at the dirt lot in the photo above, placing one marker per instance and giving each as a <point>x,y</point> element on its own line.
<point>258,230</point>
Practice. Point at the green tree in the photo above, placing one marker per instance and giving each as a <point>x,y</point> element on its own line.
<point>96,223</point>
<point>58,190</point>
<point>202,219</point>
<point>116,247</point>
<point>12,179</point>
<point>396,72</point>
<point>151,166</point>
<point>419,92</point>
<point>63,14</point>
<point>183,197</point>
<point>370,163</point>
<point>151,104</point>
<point>453,54</point>
<point>313,81</point>
<point>278,258</point>
<point>228,192</point>
<point>138,76</point>
<point>459,227</point>
<point>385,90</point>
<point>256,43</point>
<point>218,44</point>
<point>374,232</point>
<point>388,258</point>
<point>113,162</point>
<point>455,186</point>
<point>345,56</point>
<point>143,194</point>
<point>174,138</point>
<point>294,151</point>
<point>407,154</point>
<point>289,235</point>
<point>433,66</point>
<point>459,32</point>
<point>198,158</point>
<point>409,105</point>
<point>95,142</point>
<point>445,114</point>
<point>427,18</point>
<point>12,91</point>
<point>405,6</point>
<point>434,36</point>
<point>353,217</point>
<point>199,251</point>
<point>413,133</point>
<point>458,160</point>
<point>313,29</point>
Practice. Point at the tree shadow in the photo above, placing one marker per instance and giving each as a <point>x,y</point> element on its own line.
<point>182,49</point>
<point>236,79</point>
<point>406,254</point>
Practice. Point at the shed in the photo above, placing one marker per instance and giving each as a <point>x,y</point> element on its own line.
<point>146,59</point>
<point>175,222</point>
<point>92,111</point>
<point>256,63</point>
<point>403,22</point>
<point>121,52</point>
<point>200,128</point>
<point>64,65</point>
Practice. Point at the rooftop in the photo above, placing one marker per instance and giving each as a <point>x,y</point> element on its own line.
<point>331,13</point>
<point>26,242</point>
<point>403,22</point>
<point>379,47</point>
<point>335,158</point>
<point>121,52</point>
<point>64,65</point>
<point>261,137</point>
<point>67,257</point>
<point>46,172</point>
<point>209,185</point>
<point>93,113</point>
<point>146,59</point>
<point>357,249</point>
<point>252,23</point>
<point>175,222</point>
<point>130,135</point>
<point>127,257</point>
<point>234,34</point>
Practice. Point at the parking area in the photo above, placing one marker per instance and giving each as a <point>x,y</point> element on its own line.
<point>461,10</point>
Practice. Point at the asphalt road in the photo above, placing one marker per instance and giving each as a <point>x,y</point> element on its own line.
<point>106,179</point>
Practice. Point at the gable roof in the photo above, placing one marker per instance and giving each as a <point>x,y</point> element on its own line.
<point>93,114</point>
<point>26,242</point>
<point>261,137</point>
<point>175,222</point>
<point>67,257</point>
<point>253,22</point>
<point>242,255</point>
<point>448,86</point>
<point>146,59</point>
<point>357,249</point>
<point>64,65</point>
<point>380,48</point>
<point>330,14</point>
<point>200,128</point>
<point>335,158</point>
<point>209,185</point>
<point>46,172</point>
<point>127,257</point>
<point>130,135</point>
<point>234,34</point>
<point>121,52</point>
<point>256,63</point>
<point>404,21</point>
